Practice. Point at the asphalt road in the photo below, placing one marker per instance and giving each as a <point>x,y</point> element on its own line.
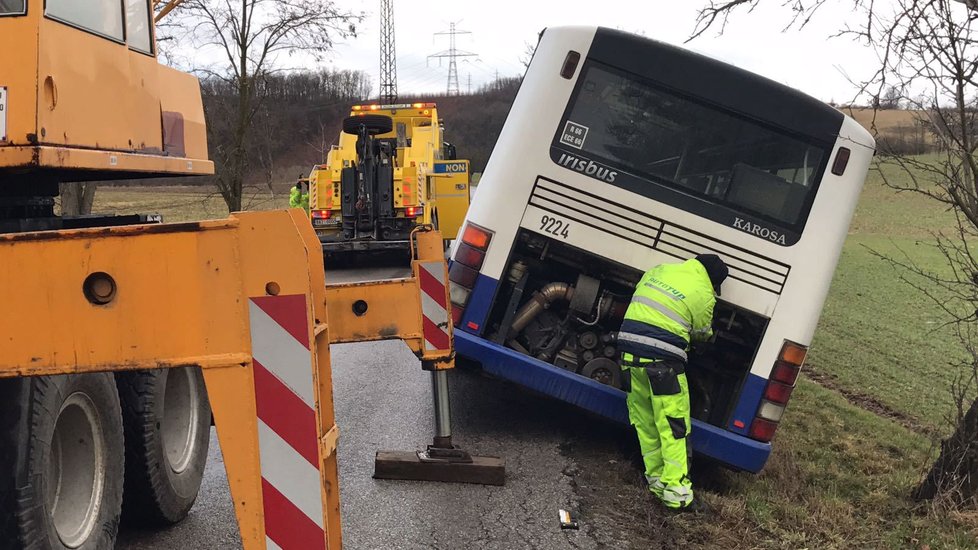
<point>556,457</point>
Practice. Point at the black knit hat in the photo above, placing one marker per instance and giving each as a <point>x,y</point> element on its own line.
<point>715,268</point>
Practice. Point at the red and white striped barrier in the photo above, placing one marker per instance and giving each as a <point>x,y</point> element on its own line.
<point>436,323</point>
<point>287,436</point>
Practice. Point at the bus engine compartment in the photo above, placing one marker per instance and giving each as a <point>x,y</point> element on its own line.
<point>564,306</point>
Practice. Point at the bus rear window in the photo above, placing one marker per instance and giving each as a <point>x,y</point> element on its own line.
<point>671,140</point>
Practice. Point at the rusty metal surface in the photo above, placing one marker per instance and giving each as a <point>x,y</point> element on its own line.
<point>392,311</point>
<point>179,298</point>
<point>111,161</point>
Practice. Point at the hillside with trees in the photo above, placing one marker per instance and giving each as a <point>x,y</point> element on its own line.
<point>300,116</point>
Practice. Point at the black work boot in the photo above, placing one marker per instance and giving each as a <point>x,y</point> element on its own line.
<point>697,506</point>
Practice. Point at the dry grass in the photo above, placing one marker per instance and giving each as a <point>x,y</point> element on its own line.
<point>894,127</point>
<point>181,204</point>
<point>884,119</point>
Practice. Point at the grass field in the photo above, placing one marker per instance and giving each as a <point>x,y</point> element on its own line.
<point>877,335</point>
<point>180,204</point>
<point>847,458</point>
<point>847,455</point>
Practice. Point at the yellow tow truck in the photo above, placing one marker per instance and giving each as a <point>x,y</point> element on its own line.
<point>390,173</point>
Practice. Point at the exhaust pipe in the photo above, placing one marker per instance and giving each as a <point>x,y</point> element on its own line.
<point>540,301</point>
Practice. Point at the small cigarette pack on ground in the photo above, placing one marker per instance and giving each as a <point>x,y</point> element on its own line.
<point>567,520</point>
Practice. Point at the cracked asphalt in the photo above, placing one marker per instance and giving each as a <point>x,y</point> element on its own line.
<point>383,401</point>
<point>388,406</point>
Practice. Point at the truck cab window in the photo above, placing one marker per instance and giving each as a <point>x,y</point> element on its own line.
<point>103,17</point>
<point>13,7</point>
<point>138,26</point>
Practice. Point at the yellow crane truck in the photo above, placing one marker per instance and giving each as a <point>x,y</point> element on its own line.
<point>122,340</point>
<point>390,172</point>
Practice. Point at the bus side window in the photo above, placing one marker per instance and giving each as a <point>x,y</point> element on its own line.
<point>103,17</point>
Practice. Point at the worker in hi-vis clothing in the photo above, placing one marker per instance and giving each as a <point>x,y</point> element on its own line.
<point>299,196</point>
<point>672,305</point>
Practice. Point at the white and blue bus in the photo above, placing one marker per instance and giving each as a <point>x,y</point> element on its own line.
<point>621,153</point>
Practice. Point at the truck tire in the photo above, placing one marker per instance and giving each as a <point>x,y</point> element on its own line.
<point>167,418</point>
<point>375,124</point>
<point>61,487</point>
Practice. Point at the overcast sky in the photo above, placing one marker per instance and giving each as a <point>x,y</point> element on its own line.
<point>808,60</point>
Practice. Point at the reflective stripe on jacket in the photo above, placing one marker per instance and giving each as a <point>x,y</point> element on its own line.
<point>672,304</point>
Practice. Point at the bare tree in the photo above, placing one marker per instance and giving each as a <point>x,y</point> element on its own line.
<point>528,49</point>
<point>251,36</point>
<point>928,49</point>
<point>935,50</point>
<point>891,99</point>
<point>77,198</point>
<point>717,12</point>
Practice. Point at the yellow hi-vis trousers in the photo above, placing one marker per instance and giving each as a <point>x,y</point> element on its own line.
<point>658,407</point>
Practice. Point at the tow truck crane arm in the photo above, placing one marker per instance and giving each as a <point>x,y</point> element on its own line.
<point>166,9</point>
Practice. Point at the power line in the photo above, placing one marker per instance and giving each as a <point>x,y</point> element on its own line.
<point>452,53</point>
<point>388,60</point>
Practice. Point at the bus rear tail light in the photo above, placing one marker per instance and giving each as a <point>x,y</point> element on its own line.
<point>463,275</point>
<point>763,430</point>
<point>793,354</point>
<point>778,391</point>
<point>785,373</point>
<point>457,312</point>
<point>476,236</point>
<point>771,412</point>
<point>459,294</point>
<point>469,257</point>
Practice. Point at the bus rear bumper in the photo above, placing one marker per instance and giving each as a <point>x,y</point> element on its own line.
<point>732,450</point>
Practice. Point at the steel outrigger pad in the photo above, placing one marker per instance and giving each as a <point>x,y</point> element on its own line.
<point>435,464</point>
<point>441,461</point>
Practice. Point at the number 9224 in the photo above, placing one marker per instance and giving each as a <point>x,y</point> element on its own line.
<point>554,226</point>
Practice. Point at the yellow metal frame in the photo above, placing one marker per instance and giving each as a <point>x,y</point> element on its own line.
<point>392,306</point>
<point>179,297</point>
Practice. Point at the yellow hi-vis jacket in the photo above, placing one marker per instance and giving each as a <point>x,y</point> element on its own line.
<point>672,304</point>
<point>298,199</point>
